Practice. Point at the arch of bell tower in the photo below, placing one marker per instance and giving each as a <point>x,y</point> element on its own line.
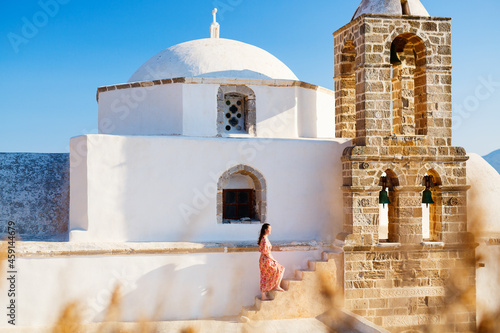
<point>393,99</point>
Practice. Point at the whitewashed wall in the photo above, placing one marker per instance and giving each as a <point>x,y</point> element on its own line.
<point>186,286</point>
<point>191,110</point>
<point>164,188</point>
<point>144,110</point>
<point>199,109</point>
<point>276,111</point>
<point>315,113</point>
<point>483,210</point>
<point>483,219</point>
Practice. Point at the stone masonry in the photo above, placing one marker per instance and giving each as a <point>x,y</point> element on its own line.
<point>399,117</point>
<point>34,193</point>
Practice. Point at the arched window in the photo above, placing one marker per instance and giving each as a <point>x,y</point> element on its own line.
<point>238,196</point>
<point>387,221</point>
<point>409,92</point>
<point>236,113</point>
<point>241,193</point>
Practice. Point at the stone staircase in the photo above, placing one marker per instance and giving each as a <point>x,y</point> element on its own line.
<point>305,295</point>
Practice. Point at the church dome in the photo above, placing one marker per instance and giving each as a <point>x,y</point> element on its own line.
<point>213,58</point>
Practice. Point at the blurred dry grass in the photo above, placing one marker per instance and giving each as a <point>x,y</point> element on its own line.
<point>3,257</point>
<point>70,320</point>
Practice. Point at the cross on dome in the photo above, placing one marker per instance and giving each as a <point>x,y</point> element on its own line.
<point>214,27</point>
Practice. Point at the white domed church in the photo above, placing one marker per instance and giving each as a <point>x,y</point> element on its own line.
<point>211,138</point>
<point>201,144</point>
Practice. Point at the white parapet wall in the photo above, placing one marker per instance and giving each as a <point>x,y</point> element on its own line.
<point>138,188</point>
<point>158,281</point>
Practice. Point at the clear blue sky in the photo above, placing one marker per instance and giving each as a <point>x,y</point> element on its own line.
<point>48,86</point>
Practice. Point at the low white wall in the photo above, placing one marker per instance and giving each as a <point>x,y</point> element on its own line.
<point>164,188</point>
<point>156,287</point>
<point>78,184</point>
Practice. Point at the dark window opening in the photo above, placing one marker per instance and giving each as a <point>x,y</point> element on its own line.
<point>235,114</point>
<point>238,204</point>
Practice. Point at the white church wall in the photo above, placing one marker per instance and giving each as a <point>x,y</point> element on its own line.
<point>315,117</point>
<point>325,120</point>
<point>483,210</point>
<point>182,286</point>
<point>199,104</point>
<point>153,110</point>
<point>78,208</point>
<point>488,277</point>
<point>483,220</point>
<point>306,113</point>
<point>164,188</point>
<point>191,109</point>
<point>276,111</point>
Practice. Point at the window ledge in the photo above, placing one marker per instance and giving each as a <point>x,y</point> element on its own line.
<point>242,135</point>
<point>225,221</point>
<point>432,244</point>
<point>400,136</point>
<point>389,244</point>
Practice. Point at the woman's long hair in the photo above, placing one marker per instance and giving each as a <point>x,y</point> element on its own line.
<point>263,231</point>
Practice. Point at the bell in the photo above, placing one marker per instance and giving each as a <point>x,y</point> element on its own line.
<point>383,198</point>
<point>427,197</point>
<point>394,56</point>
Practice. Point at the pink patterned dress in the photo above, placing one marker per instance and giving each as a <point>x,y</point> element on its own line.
<point>270,270</point>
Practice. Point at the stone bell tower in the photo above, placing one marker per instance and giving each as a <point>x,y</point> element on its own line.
<point>393,99</point>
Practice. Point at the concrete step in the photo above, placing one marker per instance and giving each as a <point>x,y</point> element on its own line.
<point>276,295</point>
<point>272,296</point>
<point>314,265</point>
<point>330,254</point>
<point>290,283</point>
<point>302,274</point>
<point>302,297</point>
<point>327,255</point>
<point>258,302</point>
<point>249,311</point>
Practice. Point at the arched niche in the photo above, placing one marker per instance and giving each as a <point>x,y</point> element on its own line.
<point>408,85</point>
<point>387,213</point>
<point>241,196</point>
<point>432,214</point>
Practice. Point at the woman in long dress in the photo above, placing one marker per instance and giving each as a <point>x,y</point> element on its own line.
<point>271,273</point>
